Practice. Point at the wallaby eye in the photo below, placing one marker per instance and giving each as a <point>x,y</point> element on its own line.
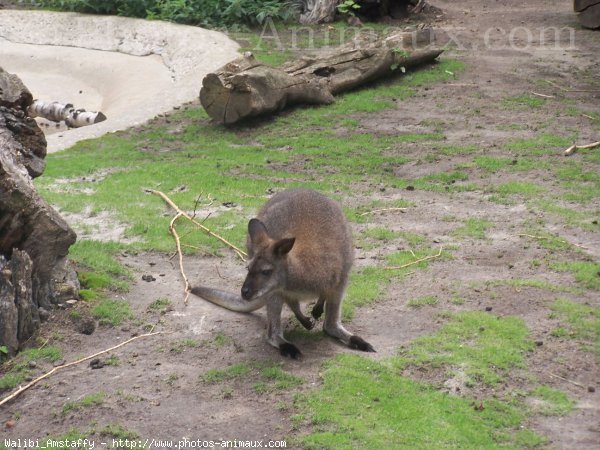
<point>266,272</point>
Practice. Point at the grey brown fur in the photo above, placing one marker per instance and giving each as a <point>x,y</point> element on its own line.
<point>300,249</point>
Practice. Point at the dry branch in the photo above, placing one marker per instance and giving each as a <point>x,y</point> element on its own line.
<point>573,148</point>
<point>57,112</point>
<point>382,210</point>
<point>64,366</point>
<point>242,254</point>
<point>173,231</point>
<point>417,261</point>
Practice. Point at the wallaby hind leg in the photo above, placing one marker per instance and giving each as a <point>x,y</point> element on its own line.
<point>295,307</point>
<point>274,330</point>
<point>333,324</point>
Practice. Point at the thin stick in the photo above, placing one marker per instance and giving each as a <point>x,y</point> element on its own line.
<point>173,231</point>
<point>589,117</point>
<point>575,383</point>
<point>543,95</point>
<point>382,210</point>
<point>417,261</point>
<point>573,148</point>
<point>242,254</point>
<point>64,366</point>
<point>570,90</point>
<point>564,241</point>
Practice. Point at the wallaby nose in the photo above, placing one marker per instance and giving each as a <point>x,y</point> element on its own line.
<point>246,292</point>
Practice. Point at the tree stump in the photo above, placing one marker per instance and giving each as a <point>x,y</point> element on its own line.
<point>588,12</point>
<point>34,239</point>
<point>246,88</point>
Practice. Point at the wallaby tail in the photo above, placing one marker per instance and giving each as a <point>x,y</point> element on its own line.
<point>227,300</point>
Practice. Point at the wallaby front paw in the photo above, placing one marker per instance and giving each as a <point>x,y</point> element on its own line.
<point>287,349</point>
<point>308,324</point>
<point>358,343</point>
<point>317,311</point>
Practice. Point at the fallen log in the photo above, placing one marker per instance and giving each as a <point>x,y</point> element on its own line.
<point>57,112</point>
<point>246,88</point>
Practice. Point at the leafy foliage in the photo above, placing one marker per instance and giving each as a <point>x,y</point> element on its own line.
<point>211,13</point>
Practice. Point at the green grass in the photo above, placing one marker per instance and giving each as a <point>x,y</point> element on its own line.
<point>582,322</point>
<point>587,273</point>
<point>428,300</point>
<point>87,401</point>
<point>18,369</point>
<point>57,442</point>
<point>161,305</point>
<point>525,100</point>
<point>473,228</point>
<point>524,188</point>
<point>228,373</point>
<point>542,145</point>
<point>265,376</point>
<point>364,403</point>
<point>111,312</point>
<point>574,217</point>
<point>485,347</point>
<point>553,402</point>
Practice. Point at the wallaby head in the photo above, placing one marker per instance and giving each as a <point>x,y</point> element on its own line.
<point>267,267</point>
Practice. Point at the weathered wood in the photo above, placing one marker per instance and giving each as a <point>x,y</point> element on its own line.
<point>588,12</point>
<point>34,239</point>
<point>247,88</point>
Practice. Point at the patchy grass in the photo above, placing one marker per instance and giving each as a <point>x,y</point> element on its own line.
<point>553,402</point>
<point>16,370</point>
<point>587,273</point>
<point>396,412</point>
<point>427,300</point>
<point>526,100</point>
<point>485,346</point>
<point>111,311</point>
<point>473,228</point>
<point>228,373</point>
<point>161,305</point>
<point>87,401</point>
<point>582,321</point>
<point>270,376</point>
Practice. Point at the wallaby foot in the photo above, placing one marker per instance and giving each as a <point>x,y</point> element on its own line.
<point>358,343</point>
<point>287,349</point>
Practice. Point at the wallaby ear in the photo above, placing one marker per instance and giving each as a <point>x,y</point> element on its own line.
<point>283,246</point>
<point>257,231</point>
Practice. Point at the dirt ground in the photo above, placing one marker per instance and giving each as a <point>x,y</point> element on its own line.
<point>155,389</point>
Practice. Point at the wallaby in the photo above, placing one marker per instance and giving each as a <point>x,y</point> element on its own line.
<point>299,249</point>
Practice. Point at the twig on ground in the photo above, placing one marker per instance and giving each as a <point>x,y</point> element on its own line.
<point>573,148</point>
<point>173,231</point>
<point>589,117</point>
<point>64,366</point>
<point>382,210</point>
<point>417,261</point>
<point>242,254</point>
<point>574,383</point>
<point>564,89</point>
<point>543,95</point>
